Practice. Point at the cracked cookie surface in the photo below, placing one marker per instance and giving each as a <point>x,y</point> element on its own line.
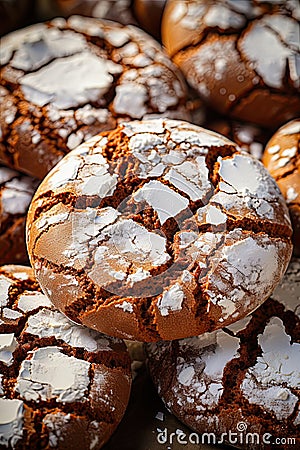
<point>246,375</point>
<point>165,229</point>
<point>16,192</point>
<point>242,56</point>
<point>62,385</point>
<point>282,159</point>
<point>64,81</point>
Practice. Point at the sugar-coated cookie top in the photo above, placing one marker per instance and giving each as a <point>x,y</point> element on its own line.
<point>49,360</point>
<point>66,80</point>
<point>253,361</point>
<point>155,209</point>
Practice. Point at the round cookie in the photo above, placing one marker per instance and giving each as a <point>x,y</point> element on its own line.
<point>117,10</point>
<point>242,56</point>
<point>282,159</point>
<point>65,81</point>
<point>16,192</point>
<point>242,383</point>
<point>149,14</point>
<point>62,386</point>
<point>166,229</point>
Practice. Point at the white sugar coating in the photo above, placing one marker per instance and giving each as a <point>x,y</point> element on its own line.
<point>8,344</point>
<point>191,178</point>
<point>240,325</point>
<point>288,291</point>
<point>47,323</point>
<point>289,152</point>
<point>86,227</point>
<point>132,241</point>
<point>282,162</point>
<point>211,214</point>
<point>15,199</point>
<point>241,173</point>
<point>5,284</point>
<point>21,275</point>
<point>29,300</point>
<point>290,128</point>
<point>139,275</point>
<point>200,374</point>
<point>123,102</point>
<point>265,50</point>
<point>297,420</point>
<point>47,221</point>
<point>11,422</point>
<point>126,306</point>
<point>146,126</point>
<point>52,43</point>
<point>55,423</point>
<point>223,17</point>
<point>226,349</point>
<point>166,202</point>
<point>64,172</point>
<point>52,374</point>
<point>70,81</point>
<point>171,300</point>
<point>194,135</point>
<point>251,263</point>
<point>11,314</point>
<point>286,27</point>
<point>12,42</point>
<point>96,179</point>
<point>273,149</point>
<point>186,375</point>
<point>276,371</point>
<point>117,37</point>
<point>141,144</point>
<point>7,174</point>
<point>291,195</point>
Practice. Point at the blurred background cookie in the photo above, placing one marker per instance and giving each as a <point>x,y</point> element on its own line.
<point>250,138</point>
<point>62,385</point>
<point>117,10</point>
<point>16,192</point>
<point>241,56</point>
<point>149,15</point>
<point>63,82</point>
<point>282,159</point>
<point>242,379</point>
<point>165,227</point>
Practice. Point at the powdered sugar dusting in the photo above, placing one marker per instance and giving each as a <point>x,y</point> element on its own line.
<point>275,373</point>
<point>51,374</point>
<point>171,300</point>
<point>47,323</point>
<point>11,421</point>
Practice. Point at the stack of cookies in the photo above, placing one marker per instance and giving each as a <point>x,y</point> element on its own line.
<point>160,192</point>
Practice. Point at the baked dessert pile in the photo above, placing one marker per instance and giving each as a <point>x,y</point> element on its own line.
<point>150,188</point>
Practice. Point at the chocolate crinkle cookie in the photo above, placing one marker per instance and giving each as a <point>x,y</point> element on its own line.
<point>64,81</point>
<point>62,385</point>
<point>158,229</point>
<point>243,56</point>
<point>16,192</point>
<point>282,159</point>
<point>242,383</point>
